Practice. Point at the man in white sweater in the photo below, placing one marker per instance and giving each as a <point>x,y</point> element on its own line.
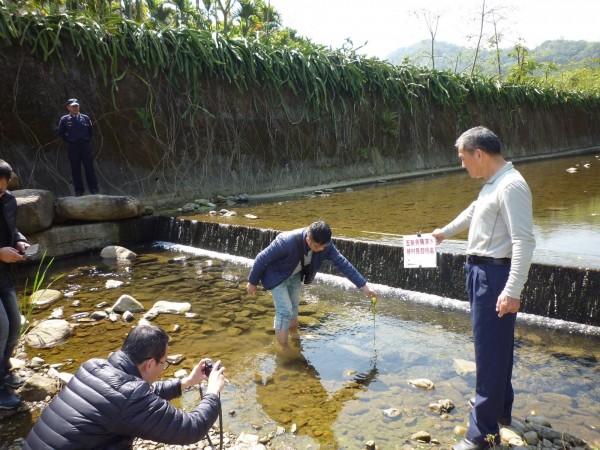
<point>499,250</point>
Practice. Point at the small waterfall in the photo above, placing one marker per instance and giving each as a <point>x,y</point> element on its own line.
<point>223,238</point>
<point>558,292</point>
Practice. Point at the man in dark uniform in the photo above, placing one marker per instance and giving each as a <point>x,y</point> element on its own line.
<point>12,246</point>
<point>76,130</point>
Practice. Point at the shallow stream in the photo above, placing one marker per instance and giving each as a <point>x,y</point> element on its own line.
<point>352,362</point>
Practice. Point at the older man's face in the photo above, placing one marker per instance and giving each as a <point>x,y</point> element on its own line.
<point>471,161</point>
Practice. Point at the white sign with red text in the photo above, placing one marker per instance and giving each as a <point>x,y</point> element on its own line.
<point>419,251</point>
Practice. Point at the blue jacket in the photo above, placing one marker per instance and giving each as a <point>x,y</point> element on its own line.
<point>75,129</point>
<point>277,262</point>
<point>107,403</point>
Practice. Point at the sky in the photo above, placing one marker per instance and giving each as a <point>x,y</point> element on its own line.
<point>386,25</point>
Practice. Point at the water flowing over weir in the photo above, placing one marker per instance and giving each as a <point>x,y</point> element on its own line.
<point>566,293</point>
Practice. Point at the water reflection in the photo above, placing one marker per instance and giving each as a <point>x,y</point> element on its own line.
<point>352,363</point>
<point>566,208</point>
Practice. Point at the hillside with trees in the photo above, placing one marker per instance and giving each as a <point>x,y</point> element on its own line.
<point>560,63</point>
<point>455,57</point>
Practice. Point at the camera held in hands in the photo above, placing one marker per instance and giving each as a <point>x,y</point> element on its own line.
<point>208,366</point>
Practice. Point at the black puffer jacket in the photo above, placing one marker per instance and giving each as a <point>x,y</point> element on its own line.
<point>107,403</point>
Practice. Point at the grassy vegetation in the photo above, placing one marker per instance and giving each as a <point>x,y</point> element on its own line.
<point>327,80</point>
<point>26,305</point>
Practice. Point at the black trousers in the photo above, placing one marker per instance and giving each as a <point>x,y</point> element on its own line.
<point>82,154</point>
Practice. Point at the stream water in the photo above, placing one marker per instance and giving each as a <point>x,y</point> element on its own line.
<point>566,208</point>
<point>352,362</point>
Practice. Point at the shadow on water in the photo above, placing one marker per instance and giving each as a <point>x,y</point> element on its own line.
<point>350,367</point>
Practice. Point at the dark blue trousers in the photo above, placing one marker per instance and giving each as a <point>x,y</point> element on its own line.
<point>82,154</point>
<point>494,350</point>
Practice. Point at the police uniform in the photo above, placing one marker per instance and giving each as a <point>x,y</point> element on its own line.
<point>76,131</point>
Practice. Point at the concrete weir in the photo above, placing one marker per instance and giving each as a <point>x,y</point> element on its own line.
<point>554,291</point>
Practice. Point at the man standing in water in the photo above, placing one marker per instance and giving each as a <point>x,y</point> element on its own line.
<point>76,130</point>
<point>293,257</point>
<point>500,248</point>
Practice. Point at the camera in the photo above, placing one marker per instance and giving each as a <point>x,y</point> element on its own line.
<point>208,366</point>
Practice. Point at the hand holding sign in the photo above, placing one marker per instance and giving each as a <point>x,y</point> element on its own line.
<point>419,251</point>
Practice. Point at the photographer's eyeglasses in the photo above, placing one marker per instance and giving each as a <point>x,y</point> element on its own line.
<point>166,364</point>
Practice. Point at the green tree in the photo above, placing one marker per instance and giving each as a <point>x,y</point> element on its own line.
<point>524,68</point>
<point>248,13</point>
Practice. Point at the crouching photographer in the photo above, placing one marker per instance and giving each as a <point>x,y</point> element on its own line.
<point>110,402</point>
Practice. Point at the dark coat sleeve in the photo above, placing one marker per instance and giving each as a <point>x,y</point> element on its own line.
<point>275,252</point>
<point>150,417</point>
<point>344,266</point>
<point>62,128</point>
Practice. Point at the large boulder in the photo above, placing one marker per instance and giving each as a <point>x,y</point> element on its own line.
<point>99,207</point>
<point>36,210</point>
<point>48,334</point>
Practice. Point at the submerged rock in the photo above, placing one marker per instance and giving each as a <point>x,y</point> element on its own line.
<point>421,436</point>
<point>422,383</point>
<point>392,413</point>
<point>117,252</point>
<point>112,284</point>
<point>464,367</point>
<point>45,297</point>
<point>127,303</point>
<point>166,307</point>
<point>442,406</point>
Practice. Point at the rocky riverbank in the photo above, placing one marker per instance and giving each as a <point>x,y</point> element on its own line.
<point>44,381</point>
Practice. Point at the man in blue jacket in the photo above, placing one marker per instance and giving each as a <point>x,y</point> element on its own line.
<point>110,402</point>
<point>292,257</point>
<point>76,130</point>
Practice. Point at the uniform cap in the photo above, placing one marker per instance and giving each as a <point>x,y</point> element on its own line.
<point>72,102</point>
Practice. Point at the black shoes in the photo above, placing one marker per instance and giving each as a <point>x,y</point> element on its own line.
<point>504,421</point>
<point>12,380</point>
<point>468,444</point>
<point>8,400</point>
